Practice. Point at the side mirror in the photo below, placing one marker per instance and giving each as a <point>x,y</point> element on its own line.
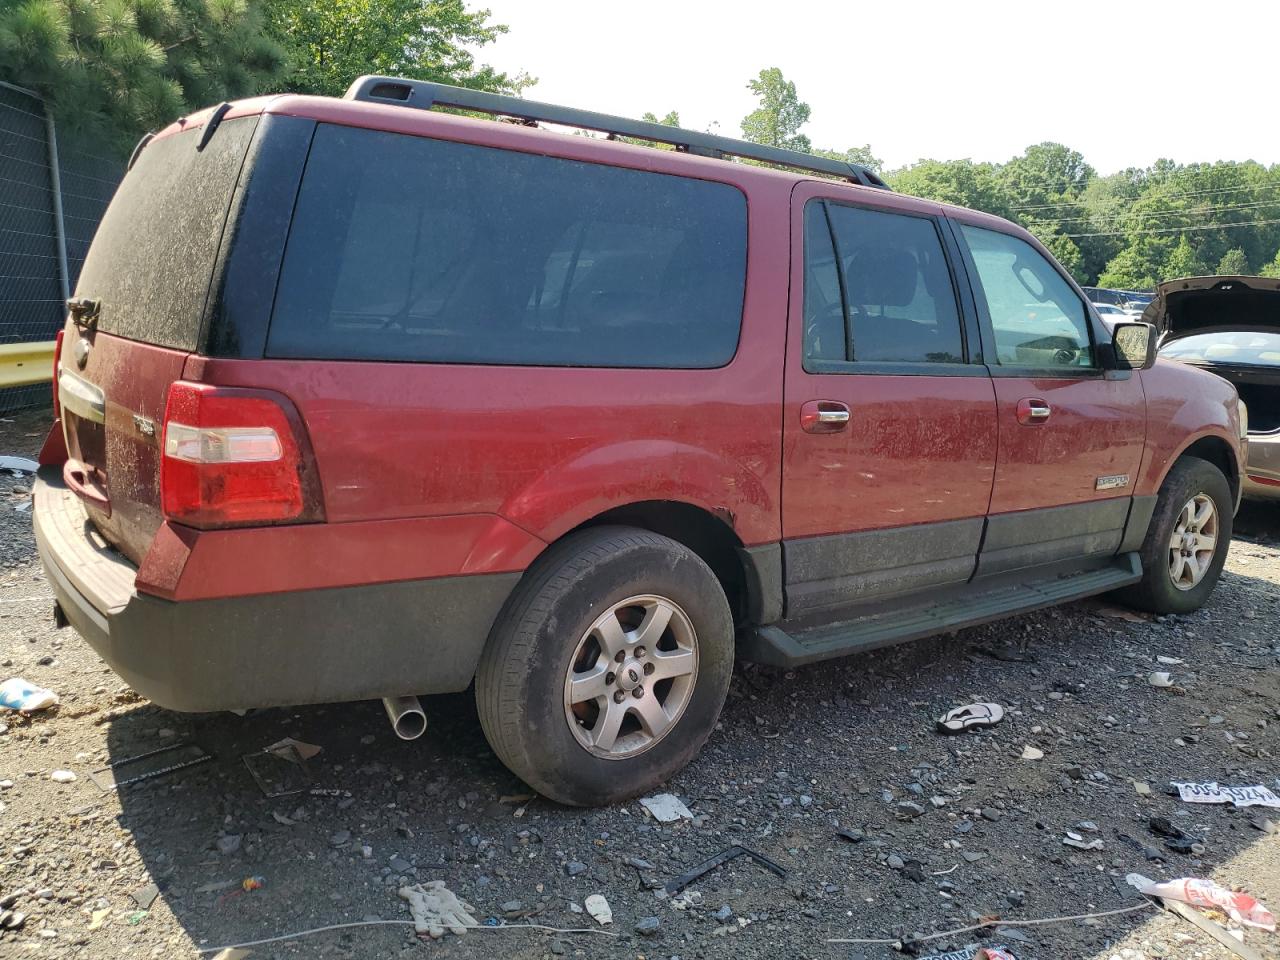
<point>1133,346</point>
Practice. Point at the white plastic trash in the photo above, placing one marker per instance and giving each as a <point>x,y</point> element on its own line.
<point>18,694</point>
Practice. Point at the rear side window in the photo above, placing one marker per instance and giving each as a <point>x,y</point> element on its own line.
<point>405,248</point>
<point>154,251</point>
<point>899,304</point>
<point>1037,319</point>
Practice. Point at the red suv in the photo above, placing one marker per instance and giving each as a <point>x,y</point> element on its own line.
<point>359,400</point>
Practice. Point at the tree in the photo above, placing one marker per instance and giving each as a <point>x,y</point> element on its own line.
<point>962,182</point>
<point>1271,269</point>
<point>1234,263</point>
<point>1184,261</point>
<point>1130,269</point>
<point>117,68</point>
<point>330,43</point>
<point>860,155</point>
<point>778,119</point>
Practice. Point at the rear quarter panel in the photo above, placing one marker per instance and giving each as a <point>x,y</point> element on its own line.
<point>1184,405</point>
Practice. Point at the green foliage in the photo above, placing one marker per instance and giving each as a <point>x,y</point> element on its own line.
<point>117,68</point>
<point>778,119</point>
<point>1271,269</point>
<point>1234,263</point>
<point>1184,261</point>
<point>961,182</point>
<point>860,155</point>
<point>331,42</point>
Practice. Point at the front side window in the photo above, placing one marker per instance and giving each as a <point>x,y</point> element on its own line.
<point>892,296</point>
<point>1037,319</point>
<point>406,248</point>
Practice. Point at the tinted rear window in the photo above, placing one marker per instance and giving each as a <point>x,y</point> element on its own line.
<point>153,254</point>
<point>404,248</point>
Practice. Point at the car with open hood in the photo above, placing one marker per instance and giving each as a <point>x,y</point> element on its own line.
<point>1231,326</point>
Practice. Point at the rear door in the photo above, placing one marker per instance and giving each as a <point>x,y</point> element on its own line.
<point>1071,433</point>
<point>889,436</point>
<point>147,274</point>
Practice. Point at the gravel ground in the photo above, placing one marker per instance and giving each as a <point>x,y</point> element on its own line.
<point>951,829</point>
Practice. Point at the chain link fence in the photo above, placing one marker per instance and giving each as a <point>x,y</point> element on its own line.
<point>53,192</point>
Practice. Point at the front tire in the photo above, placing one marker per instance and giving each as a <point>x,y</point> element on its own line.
<point>607,669</point>
<point>1187,541</point>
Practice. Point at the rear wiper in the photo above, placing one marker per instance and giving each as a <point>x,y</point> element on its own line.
<point>211,125</point>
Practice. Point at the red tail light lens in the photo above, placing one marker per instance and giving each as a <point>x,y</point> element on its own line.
<point>57,361</point>
<point>234,457</point>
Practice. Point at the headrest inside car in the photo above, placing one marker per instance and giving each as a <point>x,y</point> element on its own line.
<point>884,276</point>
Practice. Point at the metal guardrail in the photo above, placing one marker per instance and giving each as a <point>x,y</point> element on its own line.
<point>22,364</point>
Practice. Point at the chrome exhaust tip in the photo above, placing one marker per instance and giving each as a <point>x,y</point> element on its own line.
<point>406,716</point>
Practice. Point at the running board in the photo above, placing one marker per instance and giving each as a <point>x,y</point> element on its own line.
<point>974,605</point>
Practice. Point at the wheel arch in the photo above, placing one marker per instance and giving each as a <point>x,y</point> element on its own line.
<point>1215,450</point>
<point>750,576</point>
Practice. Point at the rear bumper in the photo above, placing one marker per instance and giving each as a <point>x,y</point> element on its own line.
<point>262,650</point>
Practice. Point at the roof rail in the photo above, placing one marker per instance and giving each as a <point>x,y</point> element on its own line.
<point>423,95</point>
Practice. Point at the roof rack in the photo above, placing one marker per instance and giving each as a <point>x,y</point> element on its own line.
<point>423,95</point>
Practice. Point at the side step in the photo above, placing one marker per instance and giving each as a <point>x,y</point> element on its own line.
<point>967,607</point>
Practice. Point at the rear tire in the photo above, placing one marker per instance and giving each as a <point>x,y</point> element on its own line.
<point>606,671</point>
<point>1194,506</point>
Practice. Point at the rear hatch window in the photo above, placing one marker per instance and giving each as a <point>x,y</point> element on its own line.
<point>153,254</point>
<point>149,268</point>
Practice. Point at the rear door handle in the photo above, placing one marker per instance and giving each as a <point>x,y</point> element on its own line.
<point>1032,410</point>
<point>824,416</point>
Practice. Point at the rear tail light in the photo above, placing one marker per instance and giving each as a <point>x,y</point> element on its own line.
<point>57,360</point>
<point>235,457</point>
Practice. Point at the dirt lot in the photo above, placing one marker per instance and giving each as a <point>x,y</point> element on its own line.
<point>796,755</point>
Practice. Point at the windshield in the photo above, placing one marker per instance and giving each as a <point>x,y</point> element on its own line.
<point>1254,349</point>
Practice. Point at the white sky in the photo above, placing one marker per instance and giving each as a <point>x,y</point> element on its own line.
<point>1123,81</point>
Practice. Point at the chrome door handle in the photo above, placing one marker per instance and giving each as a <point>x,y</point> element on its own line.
<point>824,416</point>
<point>1033,410</point>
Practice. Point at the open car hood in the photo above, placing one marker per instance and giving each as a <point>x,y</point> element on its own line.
<point>1210,304</point>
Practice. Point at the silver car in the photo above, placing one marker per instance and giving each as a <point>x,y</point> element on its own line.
<point>1231,326</point>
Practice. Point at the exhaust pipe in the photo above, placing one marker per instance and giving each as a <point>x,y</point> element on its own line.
<point>406,716</point>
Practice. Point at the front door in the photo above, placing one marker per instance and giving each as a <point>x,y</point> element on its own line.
<point>1071,433</point>
<point>889,435</point>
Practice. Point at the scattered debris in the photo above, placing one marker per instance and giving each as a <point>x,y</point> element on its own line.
<point>136,917</point>
<point>666,808</point>
<point>851,834</point>
<point>720,859</point>
<point>1032,753</point>
<point>1079,842</point>
<point>964,953</point>
<point>145,896</point>
<point>516,798</point>
<point>1119,613</point>
<point>1160,679</point>
<point>280,770</point>
<point>436,908</point>
<point>291,749</point>
<point>18,465</point>
<point>98,918</point>
<point>1177,840</point>
<point>1141,789</point>
<point>147,766</point>
<point>1170,661</point>
<point>62,776</point>
<point>599,909</point>
<point>970,717</point>
<point>1240,907</point>
<point>1239,796</point>
<point>25,697</point>
<point>1172,896</point>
